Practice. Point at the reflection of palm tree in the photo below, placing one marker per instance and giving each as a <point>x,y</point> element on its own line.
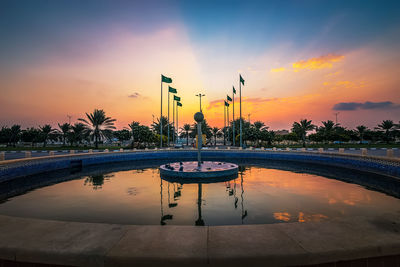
<point>97,181</point>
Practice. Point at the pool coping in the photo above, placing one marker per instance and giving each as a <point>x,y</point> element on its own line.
<point>282,244</point>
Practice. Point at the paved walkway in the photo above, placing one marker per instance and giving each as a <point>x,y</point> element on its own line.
<point>38,153</point>
<point>285,244</point>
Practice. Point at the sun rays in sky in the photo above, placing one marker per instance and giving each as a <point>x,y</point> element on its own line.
<point>300,59</point>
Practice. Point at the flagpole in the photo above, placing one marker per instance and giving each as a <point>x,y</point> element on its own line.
<point>224,124</point>
<point>227,116</point>
<point>173,121</point>
<point>168,118</point>
<point>161,117</point>
<point>233,119</point>
<point>177,125</point>
<point>240,107</point>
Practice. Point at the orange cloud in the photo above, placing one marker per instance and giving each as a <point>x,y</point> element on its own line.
<point>345,84</point>
<point>278,69</point>
<point>250,100</point>
<point>317,62</point>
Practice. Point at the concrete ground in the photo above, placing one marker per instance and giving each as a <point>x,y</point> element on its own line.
<point>354,239</point>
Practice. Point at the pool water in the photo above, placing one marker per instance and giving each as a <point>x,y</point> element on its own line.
<point>259,195</point>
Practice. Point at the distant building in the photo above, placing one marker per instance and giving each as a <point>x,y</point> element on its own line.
<point>281,132</point>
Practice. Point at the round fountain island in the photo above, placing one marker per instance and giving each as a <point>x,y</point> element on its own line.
<point>190,171</point>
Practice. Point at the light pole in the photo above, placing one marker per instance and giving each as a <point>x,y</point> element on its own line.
<point>200,95</point>
<point>337,113</point>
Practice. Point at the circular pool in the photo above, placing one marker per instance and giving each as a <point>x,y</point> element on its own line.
<point>264,192</point>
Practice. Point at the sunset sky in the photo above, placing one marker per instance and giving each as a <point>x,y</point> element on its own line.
<point>299,59</point>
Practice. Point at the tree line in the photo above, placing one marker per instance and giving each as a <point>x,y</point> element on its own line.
<point>96,128</point>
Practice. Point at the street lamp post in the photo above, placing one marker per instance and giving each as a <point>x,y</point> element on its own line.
<point>200,95</point>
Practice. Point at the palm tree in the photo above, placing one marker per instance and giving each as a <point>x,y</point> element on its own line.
<point>65,128</point>
<point>156,127</point>
<point>15,134</point>
<point>361,130</point>
<point>78,132</point>
<point>46,130</point>
<point>301,128</point>
<point>216,132</point>
<point>134,128</point>
<point>98,125</point>
<point>327,129</point>
<point>186,128</point>
<point>386,126</point>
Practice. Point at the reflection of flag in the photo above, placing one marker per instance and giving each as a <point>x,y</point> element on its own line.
<point>234,90</point>
<point>165,79</point>
<point>179,104</point>
<point>228,97</point>
<point>177,98</point>
<point>226,104</point>
<point>172,90</point>
<point>241,79</point>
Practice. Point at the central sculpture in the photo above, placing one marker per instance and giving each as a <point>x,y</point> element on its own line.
<point>200,171</point>
<point>199,117</point>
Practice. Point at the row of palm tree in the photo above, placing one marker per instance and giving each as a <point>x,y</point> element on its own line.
<point>97,127</point>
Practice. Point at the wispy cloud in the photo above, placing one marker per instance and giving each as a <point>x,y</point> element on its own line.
<point>278,69</point>
<point>365,105</point>
<point>134,95</point>
<point>321,62</point>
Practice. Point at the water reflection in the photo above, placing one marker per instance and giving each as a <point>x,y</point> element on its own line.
<point>97,181</point>
<point>256,195</point>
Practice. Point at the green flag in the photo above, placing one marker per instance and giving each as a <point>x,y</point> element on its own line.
<point>241,79</point>
<point>226,104</point>
<point>234,90</point>
<point>172,90</point>
<point>165,79</point>
<point>177,98</point>
<point>179,104</point>
<point>228,98</point>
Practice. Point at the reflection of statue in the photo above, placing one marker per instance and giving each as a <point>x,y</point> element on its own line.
<point>199,221</point>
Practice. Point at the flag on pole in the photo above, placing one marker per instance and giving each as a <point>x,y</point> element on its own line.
<point>172,90</point>
<point>241,79</point>
<point>228,98</point>
<point>179,104</point>
<point>177,98</point>
<point>165,79</point>
<point>226,104</point>
<point>234,90</point>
